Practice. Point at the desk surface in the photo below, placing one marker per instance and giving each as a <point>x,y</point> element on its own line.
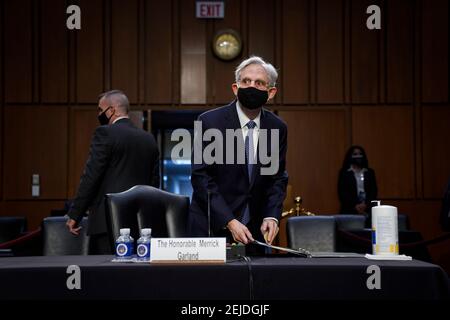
<point>272,278</point>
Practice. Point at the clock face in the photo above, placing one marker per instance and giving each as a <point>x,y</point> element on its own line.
<point>227,45</point>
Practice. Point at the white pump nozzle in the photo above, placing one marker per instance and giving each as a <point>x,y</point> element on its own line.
<point>377,202</point>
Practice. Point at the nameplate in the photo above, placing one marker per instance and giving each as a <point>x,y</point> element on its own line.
<point>188,250</point>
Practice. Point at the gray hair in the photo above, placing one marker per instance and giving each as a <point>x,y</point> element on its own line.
<point>272,73</point>
<point>117,98</point>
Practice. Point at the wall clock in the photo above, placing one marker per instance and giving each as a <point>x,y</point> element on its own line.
<point>227,44</point>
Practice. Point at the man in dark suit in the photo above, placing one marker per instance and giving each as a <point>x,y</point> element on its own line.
<point>445,210</point>
<point>120,157</point>
<point>245,203</point>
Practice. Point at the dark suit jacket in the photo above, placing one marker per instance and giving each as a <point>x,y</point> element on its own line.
<point>347,190</point>
<point>229,185</point>
<point>120,157</point>
<point>445,210</point>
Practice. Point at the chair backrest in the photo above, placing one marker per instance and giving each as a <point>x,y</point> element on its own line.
<point>58,241</point>
<point>313,233</point>
<point>350,221</point>
<point>147,207</point>
<point>403,222</point>
<point>402,219</point>
<point>11,228</point>
<point>6,253</point>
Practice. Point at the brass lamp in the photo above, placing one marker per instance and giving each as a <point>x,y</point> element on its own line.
<point>298,210</point>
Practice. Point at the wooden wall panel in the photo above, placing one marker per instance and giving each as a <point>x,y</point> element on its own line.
<point>330,51</point>
<point>82,125</point>
<point>193,56</point>
<point>222,72</point>
<point>34,211</point>
<point>435,51</point>
<point>400,49</point>
<point>295,67</point>
<point>18,51</point>
<point>436,150</point>
<point>364,55</point>
<point>2,52</point>
<point>2,82</point>
<point>316,147</point>
<point>261,29</point>
<point>387,135</point>
<point>158,52</point>
<point>124,48</point>
<point>36,144</point>
<point>89,52</point>
<point>54,52</point>
<point>423,215</point>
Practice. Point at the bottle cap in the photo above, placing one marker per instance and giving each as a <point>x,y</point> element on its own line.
<point>146,231</point>
<point>125,231</point>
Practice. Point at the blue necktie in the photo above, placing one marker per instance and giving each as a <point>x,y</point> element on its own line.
<point>249,159</point>
<point>249,148</point>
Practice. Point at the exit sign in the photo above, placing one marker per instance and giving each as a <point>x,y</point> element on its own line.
<point>210,9</point>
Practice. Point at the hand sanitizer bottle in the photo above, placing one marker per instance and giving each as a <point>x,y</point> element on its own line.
<point>384,230</point>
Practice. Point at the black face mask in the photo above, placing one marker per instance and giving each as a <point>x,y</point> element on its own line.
<point>358,160</point>
<point>252,98</point>
<point>102,118</point>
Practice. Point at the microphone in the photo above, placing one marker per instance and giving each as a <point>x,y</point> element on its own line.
<point>209,213</point>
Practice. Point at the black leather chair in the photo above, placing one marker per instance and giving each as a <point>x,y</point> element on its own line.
<point>6,253</point>
<point>313,233</point>
<point>350,221</point>
<point>12,228</point>
<point>403,222</point>
<point>58,241</point>
<point>147,207</point>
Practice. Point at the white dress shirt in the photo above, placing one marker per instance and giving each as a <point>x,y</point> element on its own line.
<point>243,120</point>
<point>120,118</point>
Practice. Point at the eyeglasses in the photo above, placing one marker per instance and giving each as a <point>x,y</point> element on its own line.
<point>259,84</point>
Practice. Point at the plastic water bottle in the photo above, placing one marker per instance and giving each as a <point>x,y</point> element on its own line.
<point>143,245</point>
<point>124,245</point>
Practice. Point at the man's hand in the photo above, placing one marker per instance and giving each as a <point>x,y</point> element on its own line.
<point>270,228</point>
<point>240,232</point>
<point>72,226</point>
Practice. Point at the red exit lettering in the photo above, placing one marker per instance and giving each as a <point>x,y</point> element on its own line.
<point>210,10</point>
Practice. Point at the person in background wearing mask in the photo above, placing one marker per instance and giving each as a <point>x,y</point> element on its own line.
<point>244,204</point>
<point>357,185</point>
<point>120,157</point>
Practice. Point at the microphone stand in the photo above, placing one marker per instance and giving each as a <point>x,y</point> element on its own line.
<point>300,252</point>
